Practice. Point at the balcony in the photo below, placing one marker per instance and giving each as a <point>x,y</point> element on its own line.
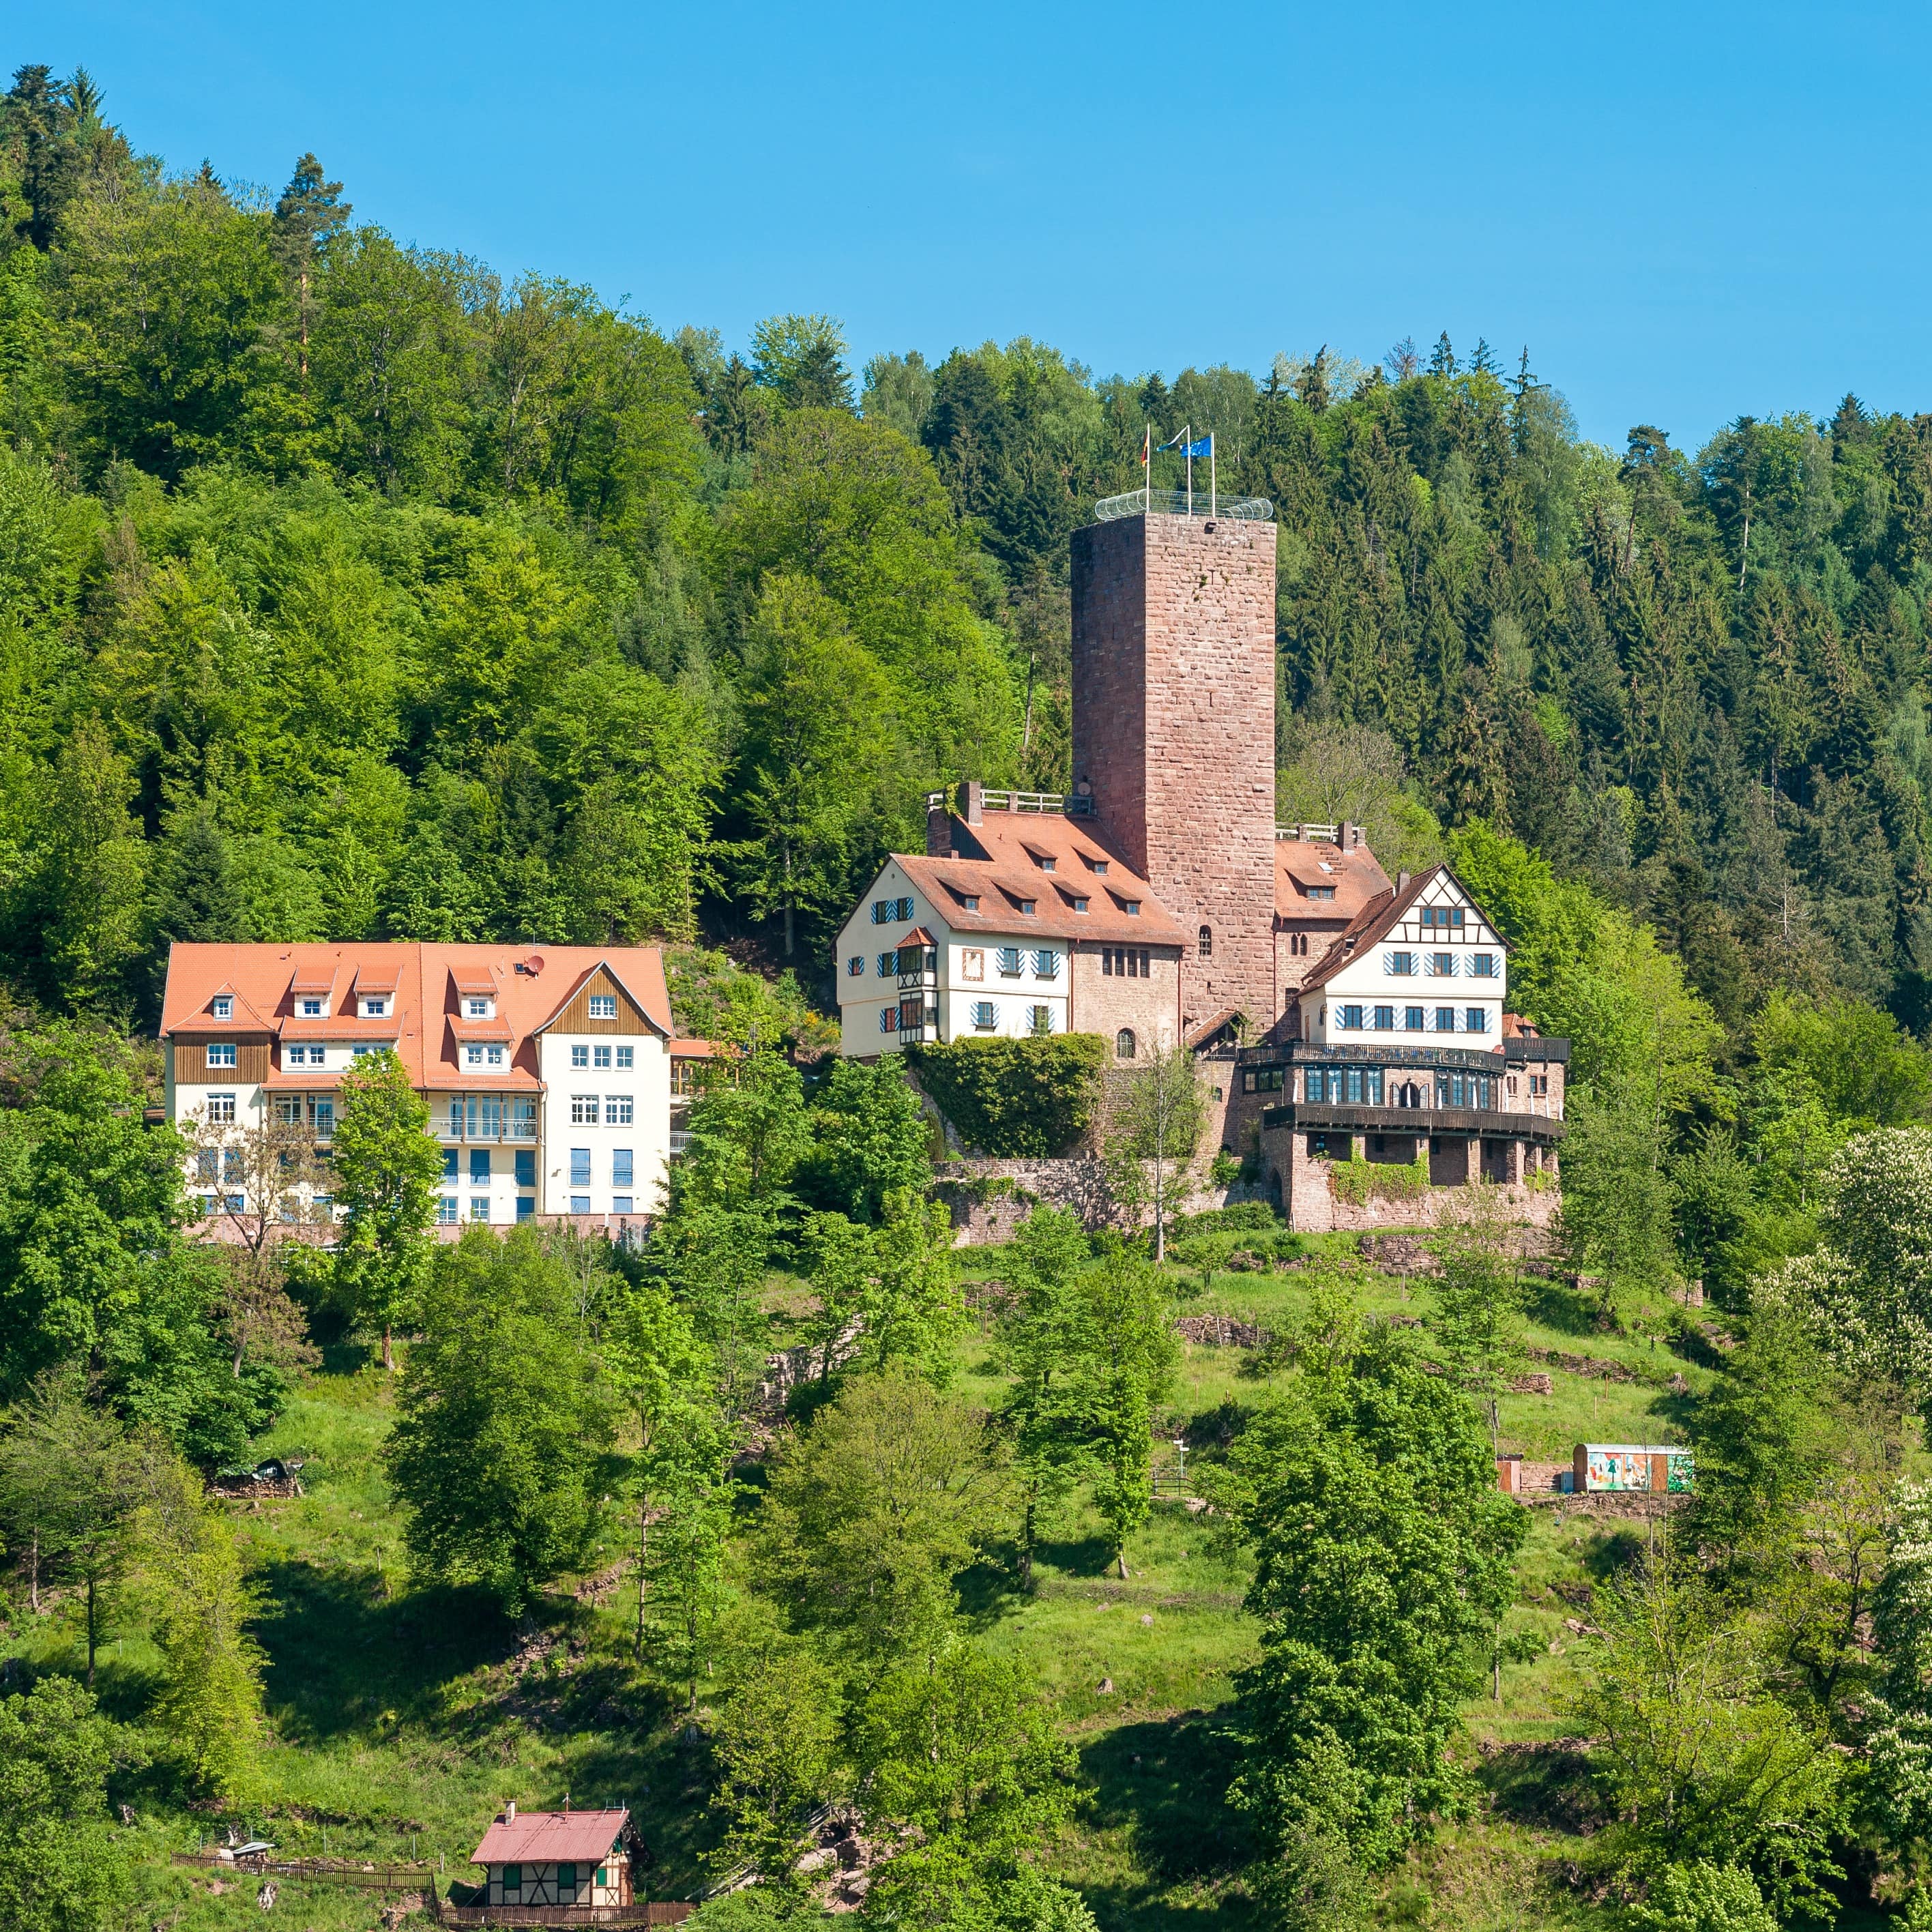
<point>1469,1123</point>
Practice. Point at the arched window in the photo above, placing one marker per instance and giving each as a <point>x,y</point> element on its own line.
<point>1123,1044</point>
<point>1207,941</point>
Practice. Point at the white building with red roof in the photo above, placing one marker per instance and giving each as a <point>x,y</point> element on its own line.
<point>549,1073</point>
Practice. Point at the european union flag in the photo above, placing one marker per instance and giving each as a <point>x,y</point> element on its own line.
<point>1205,447</point>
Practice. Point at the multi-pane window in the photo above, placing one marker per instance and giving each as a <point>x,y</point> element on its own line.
<point>1411,1019</point>
<point>476,1009</point>
<point>889,965</point>
<point>1046,963</point>
<point>884,911</point>
<point>603,1006</point>
<point>1320,892</point>
<point>472,1056</point>
<point>855,966</point>
<point>1539,1083</point>
<point>1476,1020</point>
<point>1400,964</point>
<point>363,1052</point>
<point>1464,1089</point>
<point>445,1210</point>
<point>566,1884</point>
<point>584,1110</point>
<point>1007,958</point>
<point>1483,965</point>
<point>621,1168</point>
<point>221,1053</point>
<point>208,1165</point>
<point>600,1057</point>
<point>220,1110</point>
<point>496,1056</point>
<point>1350,1019</point>
<point>1384,1021</point>
<point>983,1014</point>
<point>1262,1080</point>
<point>888,1019</point>
<point>1445,1019</point>
<point>289,1110</point>
<point>318,1056</point>
<point>479,1207</point>
<point>309,1008</point>
<point>1127,962</point>
<point>523,1119</point>
<point>580,1167</point>
<point>617,1110</point>
<point>627,1056</point>
<point>375,1009</point>
<point>231,1168</point>
<point>1442,965</point>
<point>1445,918</point>
<point>322,1117</point>
<point>1039,1019</point>
<point>580,1056</point>
<point>222,1006</point>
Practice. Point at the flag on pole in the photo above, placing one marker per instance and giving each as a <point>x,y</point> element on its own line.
<point>1205,447</point>
<point>1177,441</point>
<point>1146,445</point>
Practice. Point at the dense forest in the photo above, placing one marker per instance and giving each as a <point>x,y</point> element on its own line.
<point>348,590</point>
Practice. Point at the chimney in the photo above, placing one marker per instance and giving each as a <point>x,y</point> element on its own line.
<point>1402,880</point>
<point>938,826</point>
<point>510,1812</point>
<point>972,801</point>
<point>1349,835</point>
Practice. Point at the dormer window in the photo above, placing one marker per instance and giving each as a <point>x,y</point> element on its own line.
<point>476,1005</point>
<point>1080,905</point>
<point>603,1006</point>
<point>375,1006</point>
<point>222,1006</point>
<point>1046,861</point>
<point>1132,907</point>
<point>310,1007</point>
<point>1028,906</point>
<point>1096,865</point>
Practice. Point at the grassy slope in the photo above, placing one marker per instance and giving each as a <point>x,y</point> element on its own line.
<point>403,1719</point>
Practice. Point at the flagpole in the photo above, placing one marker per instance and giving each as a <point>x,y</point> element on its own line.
<point>1187,442</point>
<point>1213,481</point>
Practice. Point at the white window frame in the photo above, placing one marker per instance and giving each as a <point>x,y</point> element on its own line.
<point>603,1006</point>
<point>580,1056</point>
<point>221,1053</point>
<point>220,1110</point>
<point>619,1109</point>
<point>585,1110</point>
<point>627,1057</point>
<point>222,1006</point>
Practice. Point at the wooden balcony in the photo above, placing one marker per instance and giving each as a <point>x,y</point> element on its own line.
<point>1466,1123</point>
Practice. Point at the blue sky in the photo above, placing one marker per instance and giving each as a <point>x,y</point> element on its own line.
<point>1686,212</point>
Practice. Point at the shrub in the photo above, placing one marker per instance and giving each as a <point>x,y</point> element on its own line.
<point>1015,1098</point>
<point>1361,1181</point>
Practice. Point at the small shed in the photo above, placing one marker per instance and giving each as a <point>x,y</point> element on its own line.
<point>557,1858</point>
<point>1656,1468</point>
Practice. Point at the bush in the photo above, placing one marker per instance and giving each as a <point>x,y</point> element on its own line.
<point>1361,1181</point>
<point>1242,1217</point>
<point>1021,1099</point>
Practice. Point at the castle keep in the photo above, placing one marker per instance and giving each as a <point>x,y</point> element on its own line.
<point>1335,1015</point>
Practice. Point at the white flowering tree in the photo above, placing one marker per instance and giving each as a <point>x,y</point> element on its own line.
<point>1867,1292</point>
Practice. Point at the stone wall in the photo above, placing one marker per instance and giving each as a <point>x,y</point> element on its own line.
<point>1174,672</point>
<point>1105,1003</point>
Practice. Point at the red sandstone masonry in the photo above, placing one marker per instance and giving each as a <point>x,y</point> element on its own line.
<point>1174,650</point>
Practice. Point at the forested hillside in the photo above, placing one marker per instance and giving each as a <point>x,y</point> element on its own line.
<point>348,590</point>
<point>351,589</point>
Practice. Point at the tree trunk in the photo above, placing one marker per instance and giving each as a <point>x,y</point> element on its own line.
<point>1026,1544</point>
<point>34,1575</point>
<point>388,1355</point>
<point>1120,1558</point>
<point>643,1542</point>
<point>92,1632</point>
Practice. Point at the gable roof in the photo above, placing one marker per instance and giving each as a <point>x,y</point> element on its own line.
<point>422,981</point>
<point>999,863</point>
<point>1379,917</point>
<point>547,1837</point>
<point>1355,874</point>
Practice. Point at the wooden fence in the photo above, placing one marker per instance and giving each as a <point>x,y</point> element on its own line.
<point>318,1871</point>
<point>651,1912</point>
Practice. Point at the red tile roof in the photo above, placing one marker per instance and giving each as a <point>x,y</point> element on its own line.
<point>1356,875</point>
<point>550,1837</point>
<point>1005,871</point>
<point>424,982</point>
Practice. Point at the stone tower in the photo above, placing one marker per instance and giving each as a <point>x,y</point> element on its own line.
<point>1174,650</point>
